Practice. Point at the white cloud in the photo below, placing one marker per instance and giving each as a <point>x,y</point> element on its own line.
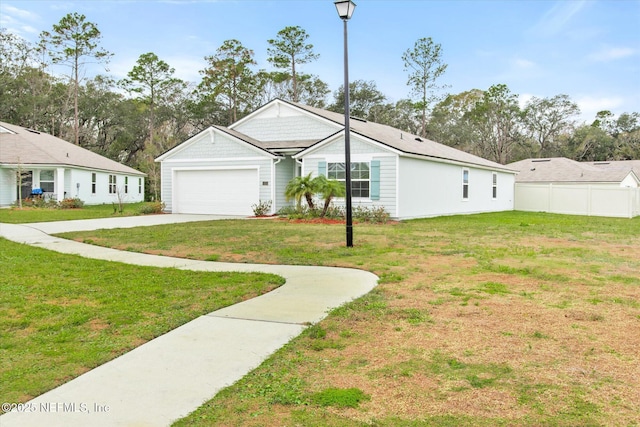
<point>187,68</point>
<point>612,53</point>
<point>523,63</point>
<point>590,105</point>
<point>524,98</point>
<point>7,9</point>
<point>558,17</point>
<point>18,21</point>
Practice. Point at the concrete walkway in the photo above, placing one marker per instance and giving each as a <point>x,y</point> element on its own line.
<point>172,375</point>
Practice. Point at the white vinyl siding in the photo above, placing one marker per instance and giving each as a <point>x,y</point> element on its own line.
<point>429,188</point>
<point>281,122</point>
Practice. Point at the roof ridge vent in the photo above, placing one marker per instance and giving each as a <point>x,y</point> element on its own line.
<point>32,131</point>
<point>540,160</point>
<point>418,139</point>
<point>358,119</point>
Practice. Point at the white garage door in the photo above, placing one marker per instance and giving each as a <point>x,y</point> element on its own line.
<point>218,192</point>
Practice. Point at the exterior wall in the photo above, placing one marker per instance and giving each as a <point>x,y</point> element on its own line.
<point>69,188</point>
<point>213,150</point>
<point>7,187</point>
<point>428,188</point>
<point>284,123</point>
<point>285,171</point>
<point>579,199</point>
<point>629,181</point>
<point>361,151</point>
<point>102,195</point>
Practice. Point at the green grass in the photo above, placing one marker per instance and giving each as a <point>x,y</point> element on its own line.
<point>19,216</point>
<point>531,311</point>
<point>62,315</point>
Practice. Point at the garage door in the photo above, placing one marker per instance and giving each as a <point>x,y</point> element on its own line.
<point>219,192</point>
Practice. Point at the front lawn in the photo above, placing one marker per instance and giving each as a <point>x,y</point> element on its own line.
<point>62,315</point>
<point>494,319</point>
<point>25,215</point>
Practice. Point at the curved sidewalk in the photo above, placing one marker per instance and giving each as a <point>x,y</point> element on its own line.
<point>172,375</point>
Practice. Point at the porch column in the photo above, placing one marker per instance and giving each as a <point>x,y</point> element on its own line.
<point>59,184</point>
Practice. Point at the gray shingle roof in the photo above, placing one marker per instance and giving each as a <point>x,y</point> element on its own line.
<point>403,141</point>
<point>27,147</point>
<point>561,169</point>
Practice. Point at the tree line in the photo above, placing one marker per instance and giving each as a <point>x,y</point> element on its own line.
<point>134,119</point>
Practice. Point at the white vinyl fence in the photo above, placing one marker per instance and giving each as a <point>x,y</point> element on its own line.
<point>578,199</point>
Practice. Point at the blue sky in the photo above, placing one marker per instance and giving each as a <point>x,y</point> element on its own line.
<point>589,50</point>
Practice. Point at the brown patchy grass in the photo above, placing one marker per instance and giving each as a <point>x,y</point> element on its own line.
<point>502,319</point>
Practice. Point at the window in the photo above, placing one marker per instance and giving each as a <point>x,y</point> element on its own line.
<point>112,184</point>
<point>495,185</point>
<point>126,185</point>
<point>139,185</point>
<point>465,184</point>
<point>93,183</point>
<point>360,177</point>
<point>46,181</point>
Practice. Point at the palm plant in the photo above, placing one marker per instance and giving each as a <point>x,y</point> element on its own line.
<point>329,188</point>
<point>299,187</point>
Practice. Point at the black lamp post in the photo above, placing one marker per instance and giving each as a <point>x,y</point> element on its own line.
<point>345,10</point>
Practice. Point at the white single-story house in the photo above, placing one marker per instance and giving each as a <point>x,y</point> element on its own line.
<point>226,170</point>
<point>561,185</point>
<point>59,170</point>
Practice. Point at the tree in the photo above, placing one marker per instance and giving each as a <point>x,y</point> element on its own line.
<point>149,79</point>
<point>299,187</point>
<point>288,49</point>
<point>589,144</point>
<point>450,124</point>
<point>546,119</point>
<point>401,115</point>
<point>425,66</point>
<point>496,123</point>
<point>74,42</point>
<point>363,96</point>
<point>229,76</point>
<point>311,90</point>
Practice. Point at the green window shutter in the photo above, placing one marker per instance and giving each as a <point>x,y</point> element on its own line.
<point>375,180</point>
<point>322,168</point>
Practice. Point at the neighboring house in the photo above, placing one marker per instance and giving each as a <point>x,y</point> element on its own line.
<point>61,170</point>
<point>561,185</point>
<point>227,170</point>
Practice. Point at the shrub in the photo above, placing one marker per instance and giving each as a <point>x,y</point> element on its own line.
<point>69,203</point>
<point>373,214</point>
<point>152,208</point>
<point>261,208</point>
<point>39,202</point>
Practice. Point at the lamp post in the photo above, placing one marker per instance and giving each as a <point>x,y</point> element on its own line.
<point>345,9</point>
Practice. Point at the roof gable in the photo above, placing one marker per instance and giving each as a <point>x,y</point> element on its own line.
<point>20,145</point>
<point>285,125</point>
<point>216,141</point>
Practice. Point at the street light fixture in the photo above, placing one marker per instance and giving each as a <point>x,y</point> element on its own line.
<point>345,9</point>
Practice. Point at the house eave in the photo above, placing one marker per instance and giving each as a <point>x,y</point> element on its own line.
<point>68,166</point>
